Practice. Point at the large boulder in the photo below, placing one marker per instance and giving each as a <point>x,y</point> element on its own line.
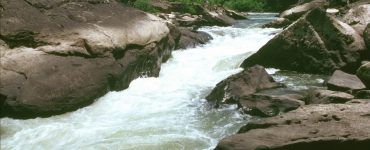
<point>358,17</point>
<point>315,43</point>
<point>61,55</point>
<point>341,81</point>
<point>245,83</point>
<point>364,74</point>
<point>323,126</point>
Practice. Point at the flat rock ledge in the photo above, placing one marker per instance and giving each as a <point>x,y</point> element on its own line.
<point>321,126</point>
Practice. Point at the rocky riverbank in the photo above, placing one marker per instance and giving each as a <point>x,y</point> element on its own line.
<point>58,56</point>
<point>333,117</point>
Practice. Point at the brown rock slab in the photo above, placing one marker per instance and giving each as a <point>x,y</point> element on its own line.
<point>323,126</point>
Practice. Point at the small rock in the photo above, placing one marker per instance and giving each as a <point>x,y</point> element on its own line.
<point>332,11</point>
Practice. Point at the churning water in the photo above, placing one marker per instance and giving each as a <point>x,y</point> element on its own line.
<point>168,112</point>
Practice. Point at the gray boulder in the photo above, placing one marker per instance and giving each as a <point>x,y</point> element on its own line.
<point>315,43</point>
<point>341,81</point>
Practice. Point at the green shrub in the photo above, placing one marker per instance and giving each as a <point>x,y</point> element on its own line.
<point>239,5</point>
<point>144,6</point>
<point>245,5</point>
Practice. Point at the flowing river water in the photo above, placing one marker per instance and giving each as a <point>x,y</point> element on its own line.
<point>167,112</point>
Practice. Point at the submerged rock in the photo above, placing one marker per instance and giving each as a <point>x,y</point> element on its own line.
<point>341,81</point>
<point>316,43</point>
<point>330,126</point>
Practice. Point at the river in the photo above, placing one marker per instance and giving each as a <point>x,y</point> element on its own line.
<point>167,112</point>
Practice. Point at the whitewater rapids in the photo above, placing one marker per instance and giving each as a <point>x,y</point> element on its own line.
<point>167,112</point>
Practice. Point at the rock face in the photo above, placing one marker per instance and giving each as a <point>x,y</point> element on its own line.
<point>364,74</point>
<point>241,84</point>
<point>57,56</point>
<point>341,81</point>
<point>315,43</point>
<point>331,126</point>
<point>358,17</point>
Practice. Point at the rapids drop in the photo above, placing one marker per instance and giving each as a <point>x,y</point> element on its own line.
<point>168,112</point>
